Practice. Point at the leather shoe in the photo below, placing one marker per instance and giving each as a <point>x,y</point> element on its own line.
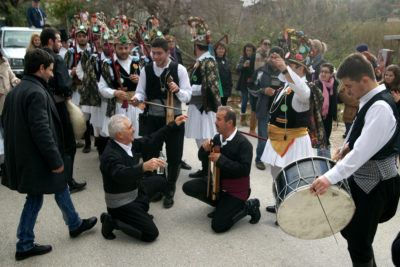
<point>271,209</point>
<point>35,251</point>
<point>107,226</point>
<point>253,209</point>
<point>168,202</point>
<point>86,149</point>
<point>260,165</point>
<point>85,225</point>
<point>198,174</point>
<point>185,166</point>
<point>74,186</point>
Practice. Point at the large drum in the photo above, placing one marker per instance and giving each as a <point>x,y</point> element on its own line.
<point>299,213</point>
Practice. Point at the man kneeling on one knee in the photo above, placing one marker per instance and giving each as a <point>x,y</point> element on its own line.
<point>127,189</point>
<point>234,162</point>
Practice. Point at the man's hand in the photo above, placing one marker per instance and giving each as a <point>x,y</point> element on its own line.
<point>73,71</point>
<point>278,61</point>
<point>207,145</point>
<point>269,91</point>
<point>134,101</point>
<point>134,78</point>
<point>152,165</point>
<point>173,87</point>
<point>246,63</point>
<point>340,156</point>
<point>59,170</point>
<point>320,186</point>
<point>33,27</point>
<point>121,95</point>
<point>214,156</point>
<point>181,119</point>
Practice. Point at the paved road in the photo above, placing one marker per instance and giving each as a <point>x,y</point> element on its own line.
<point>186,238</point>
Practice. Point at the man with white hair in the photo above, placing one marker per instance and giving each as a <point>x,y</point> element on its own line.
<point>127,189</point>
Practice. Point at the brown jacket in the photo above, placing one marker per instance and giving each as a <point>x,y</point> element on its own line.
<point>350,105</point>
<point>7,78</point>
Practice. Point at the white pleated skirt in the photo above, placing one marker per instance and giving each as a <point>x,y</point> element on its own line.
<point>301,148</point>
<point>131,112</point>
<point>200,125</point>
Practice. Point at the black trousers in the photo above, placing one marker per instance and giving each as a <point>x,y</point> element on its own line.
<point>378,206</point>
<point>69,138</point>
<point>328,126</point>
<point>173,142</point>
<point>136,212</point>
<point>224,100</point>
<point>228,209</point>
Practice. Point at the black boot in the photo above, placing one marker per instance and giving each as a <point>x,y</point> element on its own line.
<point>107,226</point>
<point>173,173</point>
<point>253,209</point>
<point>88,144</point>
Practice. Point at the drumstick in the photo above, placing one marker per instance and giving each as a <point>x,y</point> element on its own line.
<point>326,216</point>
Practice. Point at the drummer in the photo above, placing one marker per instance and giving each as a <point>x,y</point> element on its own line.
<point>290,112</point>
<point>368,158</point>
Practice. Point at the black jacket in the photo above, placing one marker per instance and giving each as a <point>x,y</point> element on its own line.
<point>121,173</point>
<point>235,159</point>
<point>61,83</point>
<point>33,139</point>
<point>225,74</point>
<point>245,72</point>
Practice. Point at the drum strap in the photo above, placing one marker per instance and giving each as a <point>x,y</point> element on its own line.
<point>278,142</point>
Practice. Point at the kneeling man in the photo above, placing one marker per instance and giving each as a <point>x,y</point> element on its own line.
<point>127,189</point>
<point>234,162</point>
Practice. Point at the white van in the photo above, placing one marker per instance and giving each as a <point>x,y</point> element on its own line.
<point>13,43</point>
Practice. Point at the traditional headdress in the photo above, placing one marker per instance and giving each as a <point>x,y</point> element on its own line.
<point>152,29</point>
<point>297,48</point>
<point>199,31</point>
<point>99,27</point>
<point>122,30</point>
<point>81,22</point>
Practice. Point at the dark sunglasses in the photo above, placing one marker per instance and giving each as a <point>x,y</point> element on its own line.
<point>266,43</point>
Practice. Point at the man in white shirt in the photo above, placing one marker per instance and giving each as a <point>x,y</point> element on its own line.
<point>368,159</point>
<point>154,84</point>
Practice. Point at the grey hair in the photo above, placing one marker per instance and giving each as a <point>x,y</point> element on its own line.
<point>230,114</point>
<point>116,124</point>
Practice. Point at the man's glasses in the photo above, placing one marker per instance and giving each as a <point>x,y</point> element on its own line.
<point>267,43</point>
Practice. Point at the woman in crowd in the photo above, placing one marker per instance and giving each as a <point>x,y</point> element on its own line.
<point>7,81</point>
<point>391,78</point>
<point>245,68</point>
<point>34,43</point>
<point>224,69</point>
<point>319,50</point>
<point>328,85</point>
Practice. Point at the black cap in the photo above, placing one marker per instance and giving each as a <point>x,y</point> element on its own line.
<point>276,49</point>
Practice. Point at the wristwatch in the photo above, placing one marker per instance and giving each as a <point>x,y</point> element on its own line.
<point>285,71</point>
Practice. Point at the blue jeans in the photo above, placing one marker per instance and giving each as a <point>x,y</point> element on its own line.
<point>245,98</point>
<point>262,132</point>
<point>31,210</point>
<point>348,126</point>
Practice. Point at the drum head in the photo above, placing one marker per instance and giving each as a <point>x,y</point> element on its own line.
<point>300,214</point>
